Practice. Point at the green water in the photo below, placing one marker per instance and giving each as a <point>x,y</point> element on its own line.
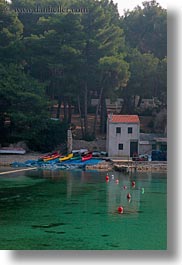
<point>75,210</point>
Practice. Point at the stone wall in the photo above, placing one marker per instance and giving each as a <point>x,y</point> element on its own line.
<point>97,145</point>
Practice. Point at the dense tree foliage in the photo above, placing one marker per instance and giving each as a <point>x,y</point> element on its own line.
<point>146,29</point>
<point>70,57</point>
<point>143,80</point>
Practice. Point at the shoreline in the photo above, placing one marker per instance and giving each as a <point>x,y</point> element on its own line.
<point>131,166</point>
<point>125,166</point>
<point>8,159</point>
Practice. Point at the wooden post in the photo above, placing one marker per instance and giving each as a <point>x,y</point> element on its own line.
<point>69,141</point>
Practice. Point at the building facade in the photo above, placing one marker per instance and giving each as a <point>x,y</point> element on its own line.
<point>152,141</point>
<point>123,134</point>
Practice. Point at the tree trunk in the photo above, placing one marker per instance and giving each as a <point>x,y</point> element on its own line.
<point>65,110</point>
<point>134,102</point>
<point>103,114</point>
<point>139,102</point>
<point>59,108</point>
<point>97,112</point>
<point>80,114</point>
<point>85,110</point>
<point>127,106</point>
<point>69,111</point>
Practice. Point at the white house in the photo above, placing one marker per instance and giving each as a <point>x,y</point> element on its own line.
<point>123,134</point>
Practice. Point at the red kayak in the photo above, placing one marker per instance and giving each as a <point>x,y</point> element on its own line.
<point>50,156</point>
<point>87,157</point>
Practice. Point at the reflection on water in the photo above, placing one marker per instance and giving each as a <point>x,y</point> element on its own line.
<point>117,196</point>
<point>78,210</point>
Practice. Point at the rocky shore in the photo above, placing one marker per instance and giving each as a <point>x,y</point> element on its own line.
<point>130,166</point>
<point>152,166</point>
<point>105,166</point>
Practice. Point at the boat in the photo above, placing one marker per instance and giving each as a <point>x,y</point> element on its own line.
<point>12,150</point>
<point>50,157</point>
<point>64,158</point>
<point>76,157</point>
<point>87,156</point>
<point>80,151</point>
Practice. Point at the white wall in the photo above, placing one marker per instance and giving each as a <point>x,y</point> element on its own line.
<point>113,138</point>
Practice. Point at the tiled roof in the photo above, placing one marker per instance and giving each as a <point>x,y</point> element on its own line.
<point>123,118</point>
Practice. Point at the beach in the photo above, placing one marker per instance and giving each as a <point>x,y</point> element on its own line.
<point>7,160</point>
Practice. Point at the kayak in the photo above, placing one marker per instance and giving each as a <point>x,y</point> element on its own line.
<point>76,157</point>
<point>50,157</point>
<point>87,157</point>
<point>64,158</point>
<point>11,150</point>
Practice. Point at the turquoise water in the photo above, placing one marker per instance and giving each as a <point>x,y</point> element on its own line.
<point>77,210</point>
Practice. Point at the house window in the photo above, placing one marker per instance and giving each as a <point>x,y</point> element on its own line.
<point>120,146</point>
<point>130,129</point>
<point>118,129</point>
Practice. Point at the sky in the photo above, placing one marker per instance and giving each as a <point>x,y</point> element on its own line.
<point>131,4</point>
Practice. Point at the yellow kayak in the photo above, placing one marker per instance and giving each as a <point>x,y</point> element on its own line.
<point>65,157</point>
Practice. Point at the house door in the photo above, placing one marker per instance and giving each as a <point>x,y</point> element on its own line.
<point>133,148</point>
